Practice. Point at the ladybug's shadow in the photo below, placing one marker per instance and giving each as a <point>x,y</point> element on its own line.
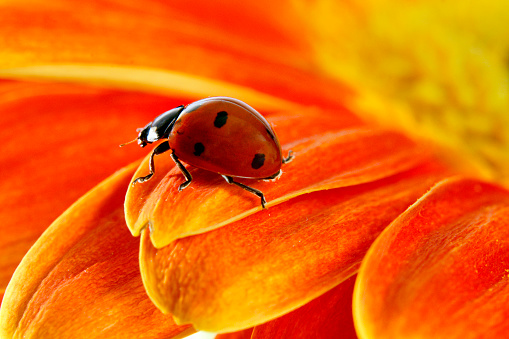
<point>202,179</point>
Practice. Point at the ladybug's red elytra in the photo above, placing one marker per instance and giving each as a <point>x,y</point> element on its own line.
<point>217,134</point>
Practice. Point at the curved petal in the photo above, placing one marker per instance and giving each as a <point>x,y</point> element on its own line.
<point>440,269</point>
<point>81,279</point>
<point>59,141</point>
<point>242,43</point>
<point>334,158</point>
<point>328,316</point>
<point>277,259</point>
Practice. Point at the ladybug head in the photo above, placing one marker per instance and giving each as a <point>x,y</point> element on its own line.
<point>143,135</point>
<point>160,128</point>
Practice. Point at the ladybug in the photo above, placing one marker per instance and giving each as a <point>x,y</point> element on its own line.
<point>217,134</point>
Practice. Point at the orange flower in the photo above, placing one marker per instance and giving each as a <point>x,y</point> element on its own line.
<point>428,244</point>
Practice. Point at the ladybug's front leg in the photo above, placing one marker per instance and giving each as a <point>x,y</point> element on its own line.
<point>161,148</point>
<point>184,171</point>
<point>247,188</point>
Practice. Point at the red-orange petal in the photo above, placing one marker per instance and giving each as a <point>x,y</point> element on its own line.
<point>336,157</point>
<point>81,279</point>
<point>328,316</point>
<point>59,141</point>
<point>440,269</point>
<point>242,43</point>
<point>276,260</point>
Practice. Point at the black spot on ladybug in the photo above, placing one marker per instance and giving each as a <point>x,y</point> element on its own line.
<point>221,118</point>
<point>198,149</point>
<point>258,160</point>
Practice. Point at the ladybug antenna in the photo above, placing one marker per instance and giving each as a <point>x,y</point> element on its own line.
<point>127,143</point>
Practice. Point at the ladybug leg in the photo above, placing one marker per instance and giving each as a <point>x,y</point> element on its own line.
<point>161,148</point>
<point>247,188</point>
<point>288,158</point>
<point>184,171</point>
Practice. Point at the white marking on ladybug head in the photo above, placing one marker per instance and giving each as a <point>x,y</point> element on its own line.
<point>152,134</point>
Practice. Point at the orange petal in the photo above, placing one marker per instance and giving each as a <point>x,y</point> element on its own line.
<point>276,260</point>
<point>81,279</point>
<point>440,269</point>
<point>242,43</point>
<point>59,141</point>
<point>328,160</point>
<point>328,316</point>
